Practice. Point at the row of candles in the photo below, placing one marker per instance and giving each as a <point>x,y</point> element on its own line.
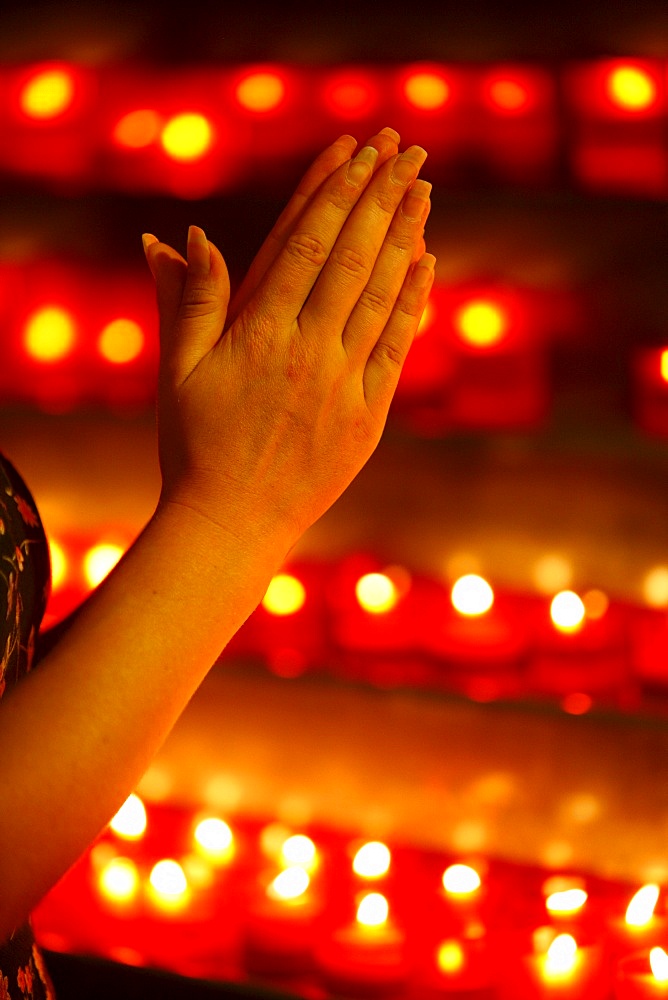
<point>360,620</point>
<point>326,914</point>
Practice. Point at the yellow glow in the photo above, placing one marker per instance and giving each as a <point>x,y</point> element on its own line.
<point>481,323</point>
<point>299,850</point>
<point>118,880</point>
<point>187,137</point>
<point>214,839</point>
<point>640,910</point>
<point>552,573</point>
<point>655,587</point>
<point>372,860</point>
<point>566,901</point>
<point>291,883</point>
<point>373,910</point>
<point>631,88</point>
<point>58,564</point>
<point>472,595</point>
<point>130,820</point>
<point>169,883</point>
<point>427,91</point>
<point>561,956</point>
<point>99,561</point>
<point>509,95</point>
<point>47,95</point>
<point>261,92</point>
<point>426,319</point>
<point>121,341</point>
<point>137,129</point>
<point>376,593</point>
<point>658,961</point>
<point>450,957</point>
<point>567,611</point>
<point>285,595</point>
<point>596,604</point>
<point>49,334</point>
<point>461,880</point>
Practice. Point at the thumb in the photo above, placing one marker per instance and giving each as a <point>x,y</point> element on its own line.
<point>193,297</point>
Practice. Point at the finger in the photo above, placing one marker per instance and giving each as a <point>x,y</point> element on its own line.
<point>351,261</point>
<point>322,168</point>
<point>403,246</point>
<point>387,357</point>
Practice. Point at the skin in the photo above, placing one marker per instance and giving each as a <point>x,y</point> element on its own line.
<point>268,406</point>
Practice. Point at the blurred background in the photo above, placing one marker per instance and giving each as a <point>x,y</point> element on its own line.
<point>526,455</point>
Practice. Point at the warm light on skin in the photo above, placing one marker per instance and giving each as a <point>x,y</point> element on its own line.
<point>187,137</point>
<point>461,880</point>
<point>299,850</point>
<point>376,593</point>
<point>99,561</point>
<point>481,323</point>
<point>214,839</point>
<point>450,957</point>
<point>561,956</point>
<point>49,334</point>
<point>58,564</point>
<point>566,901</point>
<point>137,129</point>
<point>426,319</point>
<point>261,92</point>
<point>289,884</point>
<point>640,910</point>
<point>47,95</point>
<point>130,820</point>
<point>655,587</point>
<point>631,88</point>
<point>118,881</point>
<point>472,595</point>
<point>285,595</point>
<point>658,963</point>
<point>121,341</point>
<point>168,883</point>
<point>373,910</point>
<point>567,611</point>
<point>427,91</point>
<point>372,860</point>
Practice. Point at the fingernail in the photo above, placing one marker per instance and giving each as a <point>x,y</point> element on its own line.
<point>197,236</point>
<point>361,168</point>
<point>147,240</point>
<point>393,134</point>
<point>415,201</point>
<point>407,165</point>
<point>424,269</point>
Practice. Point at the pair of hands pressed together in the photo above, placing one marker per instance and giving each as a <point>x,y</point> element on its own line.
<point>270,405</point>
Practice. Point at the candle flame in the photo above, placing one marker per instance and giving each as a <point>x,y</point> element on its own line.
<point>450,957</point>
<point>566,901</point>
<point>289,884</point>
<point>372,860</point>
<point>658,960</point>
<point>130,820</point>
<point>373,910</point>
<point>299,850</point>
<point>561,955</point>
<point>472,595</point>
<point>664,365</point>
<point>461,880</point>
<point>641,908</point>
<point>119,880</point>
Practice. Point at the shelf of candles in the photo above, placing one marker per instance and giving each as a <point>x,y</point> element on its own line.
<point>324,913</point>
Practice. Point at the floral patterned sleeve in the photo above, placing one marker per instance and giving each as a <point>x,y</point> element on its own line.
<point>24,590</point>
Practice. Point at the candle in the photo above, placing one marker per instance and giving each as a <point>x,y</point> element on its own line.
<point>640,927</point>
<point>458,965</point>
<point>369,953</point>
<point>643,976</point>
<point>558,969</point>
<point>281,923</point>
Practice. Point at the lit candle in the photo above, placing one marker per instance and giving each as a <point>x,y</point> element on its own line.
<point>558,969</point>
<point>458,965</point>
<point>640,927</point>
<point>281,923</point>
<point>369,953</point>
<point>643,976</point>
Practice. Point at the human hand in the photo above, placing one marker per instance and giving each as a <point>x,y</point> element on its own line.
<point>265,416</point>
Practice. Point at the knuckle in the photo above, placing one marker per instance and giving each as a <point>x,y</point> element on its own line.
<point>389,354</point>
<point>199,300</point>
<point>376,300</point>
<point>350,260</point>
<point>306,250</point>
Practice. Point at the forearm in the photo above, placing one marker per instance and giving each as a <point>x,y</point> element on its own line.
<point>78,733</point>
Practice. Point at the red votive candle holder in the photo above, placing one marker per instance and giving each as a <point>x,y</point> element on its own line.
<point>643,975</point>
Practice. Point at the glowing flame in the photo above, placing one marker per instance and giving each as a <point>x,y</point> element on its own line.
<point>567,611</point>
<point>658,961</point>
<point>640,910</point>
<point>261,92</point>
<point>566,901</point>
<point>289,884</point>
<point>137,129</point>
<point>376,593</point>
<point>372,860</point>
<point>472,595</point>
<point>655,587</point>
<point>130,820</point>
<point>168,883</point>
<point>121,341</point>
<point>508,95</point>
<point>214,839</point>
<point>461,880</point>
<point>187,137</point>
<point>373,910</point>
<point>631,88</point>
<point>58,564</point>
<point>118,881</point>
<point>664,365</point>
<point>450,957</point>
<point>285,595</point>
<point>48,94</point>
<point>561,956</point>
<point>99,562</point>
<point>299,850</point>
<point>49,334</point>
<point>481,323</point>
<point>427,91</point>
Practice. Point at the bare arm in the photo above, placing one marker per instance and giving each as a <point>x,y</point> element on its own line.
<point>264,419</point>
